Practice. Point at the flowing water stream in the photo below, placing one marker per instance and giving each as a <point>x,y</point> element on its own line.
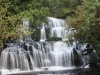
<point>38,55</point>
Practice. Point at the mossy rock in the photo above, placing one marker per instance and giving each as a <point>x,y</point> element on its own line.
<point>36,35</point>
<point>77,59</point>
<point>54,39</point>
<point>47,31</point>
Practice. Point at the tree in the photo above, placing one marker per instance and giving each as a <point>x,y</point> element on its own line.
<point>13,11</point>
<point>34,11</point>
<point>61,8</point>
<point>87,22</point>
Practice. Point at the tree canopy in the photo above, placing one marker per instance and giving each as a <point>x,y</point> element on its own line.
<point>11,13</point>
<point>34,11</point>
<point>83,15</point>
<point>87,22</point>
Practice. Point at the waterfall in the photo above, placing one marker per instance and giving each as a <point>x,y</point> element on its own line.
<point>43,34</point>
<point>57,27</point>
<point>34,55</point>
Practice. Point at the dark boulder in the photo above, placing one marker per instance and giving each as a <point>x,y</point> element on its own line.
<point>77,59</point>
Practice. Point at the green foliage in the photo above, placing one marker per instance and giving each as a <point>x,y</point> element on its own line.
<point>11,13</point>
<point>8,22</point>
<point>61,8</point>
<point>35,11</point>
<point>87,22</point>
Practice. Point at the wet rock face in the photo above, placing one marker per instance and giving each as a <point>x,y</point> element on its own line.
<point>37,34</point>
<point>94,59</point>
<point>25,47</point>
<point>5,45</point>
<point>77,59</point>
<point>54,39</point>
<point>88,49</point>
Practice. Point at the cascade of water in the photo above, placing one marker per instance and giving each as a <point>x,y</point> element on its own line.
<point>54,22</point>
<point>57,27</point>
<point>62,54</point>
<point>57,32</point>
<point>41,54</point>
<point>31,61</point>
<point>43,34</point>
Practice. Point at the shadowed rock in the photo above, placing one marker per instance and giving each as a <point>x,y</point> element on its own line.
<point>77,59</point>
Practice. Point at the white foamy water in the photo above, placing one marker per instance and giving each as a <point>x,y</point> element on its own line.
<point>42,55</point>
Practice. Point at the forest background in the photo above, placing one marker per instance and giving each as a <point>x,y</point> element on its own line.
<point>82,15</point>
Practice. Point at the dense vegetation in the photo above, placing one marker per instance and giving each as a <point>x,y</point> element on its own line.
<point>11,13</point>
<point>35,11</point>
<point>83,15</point>
<point>87,22</point>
